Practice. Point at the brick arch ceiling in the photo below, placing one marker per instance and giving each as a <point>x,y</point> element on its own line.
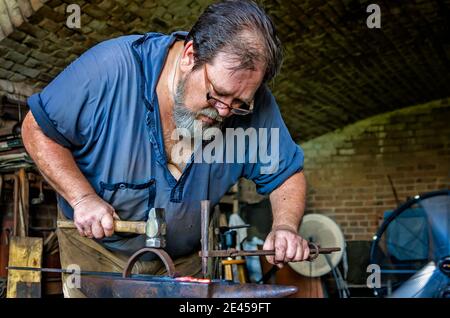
<point>336,70</point>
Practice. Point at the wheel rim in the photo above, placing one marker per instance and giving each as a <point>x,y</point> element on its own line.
<point>399,260</point>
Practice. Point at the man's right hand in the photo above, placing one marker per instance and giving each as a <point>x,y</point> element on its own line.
<point>94,217</point>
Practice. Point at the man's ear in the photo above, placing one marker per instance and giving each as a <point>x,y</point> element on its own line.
<point>187,59</point>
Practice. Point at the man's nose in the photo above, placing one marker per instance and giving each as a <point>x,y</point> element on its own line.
<point>223,110</point>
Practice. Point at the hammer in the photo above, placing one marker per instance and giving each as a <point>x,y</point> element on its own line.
<point>154,228</point>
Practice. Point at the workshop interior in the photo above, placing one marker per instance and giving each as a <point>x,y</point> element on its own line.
<point>364,89</point>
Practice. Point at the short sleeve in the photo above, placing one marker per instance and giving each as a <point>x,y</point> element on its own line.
<point>65,109</point>
<point>279,157</point>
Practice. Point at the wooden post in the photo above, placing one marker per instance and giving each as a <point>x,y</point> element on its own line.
<point>24,204</point>
<point>25,252</point>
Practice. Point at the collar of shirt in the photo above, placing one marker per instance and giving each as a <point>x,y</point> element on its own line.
<point>148,50</point>
<point>151,52</point>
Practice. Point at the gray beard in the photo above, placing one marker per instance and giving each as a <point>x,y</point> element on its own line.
<point>186,119</point>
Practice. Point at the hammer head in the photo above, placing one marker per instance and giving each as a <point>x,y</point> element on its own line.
<point>155,229</point>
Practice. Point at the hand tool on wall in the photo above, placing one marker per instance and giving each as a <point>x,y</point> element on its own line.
<point>40,199</point>
<point>24,204</point>
<point>21,204</point>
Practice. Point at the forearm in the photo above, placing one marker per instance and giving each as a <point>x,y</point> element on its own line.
<point>55,163</point>
<point>288,202</point>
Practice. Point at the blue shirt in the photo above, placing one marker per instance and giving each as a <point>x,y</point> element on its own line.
<point>104,108</point>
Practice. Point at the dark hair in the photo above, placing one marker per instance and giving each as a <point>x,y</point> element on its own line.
<point>240,28</point>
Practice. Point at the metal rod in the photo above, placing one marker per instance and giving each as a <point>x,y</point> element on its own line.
<point>235,227</point>
<point>64,271</point>
<point>205,207</point>
<point>393,190</point>
<point>234,252</point>
<point>321,250</point>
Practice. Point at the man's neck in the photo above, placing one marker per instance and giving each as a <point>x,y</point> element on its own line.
<point>165,93</point>
<point>164,85</point>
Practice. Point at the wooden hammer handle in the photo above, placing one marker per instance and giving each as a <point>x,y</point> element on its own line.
<point>119,226</point>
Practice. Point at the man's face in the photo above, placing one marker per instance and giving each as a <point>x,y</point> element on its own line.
<point>230,87</point>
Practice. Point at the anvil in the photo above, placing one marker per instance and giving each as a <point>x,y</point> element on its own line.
<point>115,285</point>
<point>146,286</point>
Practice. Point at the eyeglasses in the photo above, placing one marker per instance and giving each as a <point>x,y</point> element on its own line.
<point>237,108</point>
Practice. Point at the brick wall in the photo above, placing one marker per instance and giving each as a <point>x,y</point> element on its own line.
<point>336,68</point>
<point>347,169</point>
<point>14,12</point>
<point>16,90</point>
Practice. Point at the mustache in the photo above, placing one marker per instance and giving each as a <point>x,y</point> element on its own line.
<point>212,113</point>
<point>184,117</point>
<point>183,112</point>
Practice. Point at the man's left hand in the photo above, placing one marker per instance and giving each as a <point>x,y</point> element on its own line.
<point>288,246</point>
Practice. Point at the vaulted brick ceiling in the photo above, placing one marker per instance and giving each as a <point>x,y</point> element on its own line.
<point>336,71</point>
